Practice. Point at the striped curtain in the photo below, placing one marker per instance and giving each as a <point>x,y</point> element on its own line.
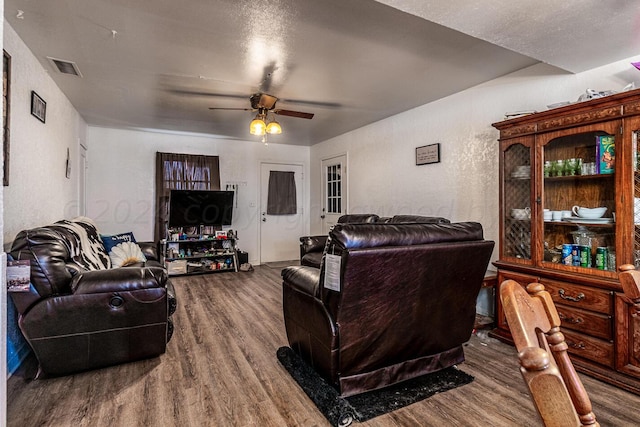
<point>181,172</point>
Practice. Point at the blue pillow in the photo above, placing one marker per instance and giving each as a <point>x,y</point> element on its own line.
<point>114,240</point>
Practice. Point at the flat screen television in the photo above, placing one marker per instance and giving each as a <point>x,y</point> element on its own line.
<point>191,208</point>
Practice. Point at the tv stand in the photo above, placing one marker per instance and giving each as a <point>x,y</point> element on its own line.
<point>200,256</point>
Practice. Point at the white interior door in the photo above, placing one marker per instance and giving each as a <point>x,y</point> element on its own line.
<point>280,234</point>
<point>334,190</point>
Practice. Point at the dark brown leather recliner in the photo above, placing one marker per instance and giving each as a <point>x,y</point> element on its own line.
<point>78,314</point>
<point>311,247</point>
<point>406,302</point>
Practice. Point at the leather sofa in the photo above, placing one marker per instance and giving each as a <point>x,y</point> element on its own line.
<point>311,247</point>
<point>395,301</point>
<point>79,313</point>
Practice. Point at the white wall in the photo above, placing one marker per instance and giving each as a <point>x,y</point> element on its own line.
<point>383,178</point>
<point>38,191</point>
<point>121,178</point>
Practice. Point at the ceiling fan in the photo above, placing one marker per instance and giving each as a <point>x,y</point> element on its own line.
<point>264,104</point>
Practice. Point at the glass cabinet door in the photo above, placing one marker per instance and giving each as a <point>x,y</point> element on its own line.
<point>516,200</point>
<point>635,137</point>
<point>578,199</point>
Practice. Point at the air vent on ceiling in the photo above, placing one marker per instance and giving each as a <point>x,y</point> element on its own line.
<point>65,67</point>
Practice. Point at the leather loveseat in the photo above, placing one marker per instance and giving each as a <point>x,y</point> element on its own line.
<point>399,301</point>
<point>311,247</point>
<point>80,313</point>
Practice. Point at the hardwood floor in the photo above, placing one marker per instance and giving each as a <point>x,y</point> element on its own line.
<point>220,369</point>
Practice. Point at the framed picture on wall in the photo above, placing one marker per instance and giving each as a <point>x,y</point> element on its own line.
<point>6,94</point>
<point>38,107</point>
<point>428,154</point>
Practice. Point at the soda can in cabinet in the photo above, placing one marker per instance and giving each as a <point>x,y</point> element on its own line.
<point>585,256</point>
<point>567,254</point>
<point>601,258</point>
<point>575,251</point>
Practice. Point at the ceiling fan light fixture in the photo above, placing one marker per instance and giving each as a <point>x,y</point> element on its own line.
<point>257,126</point>
<point>274,128</point>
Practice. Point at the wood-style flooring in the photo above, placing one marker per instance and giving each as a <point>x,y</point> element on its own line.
<point>220,369</point>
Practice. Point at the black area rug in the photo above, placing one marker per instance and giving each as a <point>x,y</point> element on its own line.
<point>362,407</point>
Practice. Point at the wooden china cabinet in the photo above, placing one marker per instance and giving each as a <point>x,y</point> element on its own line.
<point>550,162</point>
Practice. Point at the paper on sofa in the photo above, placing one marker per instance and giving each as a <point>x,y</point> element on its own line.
<point>18,276</point>
<point>332,272</point>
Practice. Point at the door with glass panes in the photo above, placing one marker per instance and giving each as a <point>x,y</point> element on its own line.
<point>334,191</point>
<point>517,211</point>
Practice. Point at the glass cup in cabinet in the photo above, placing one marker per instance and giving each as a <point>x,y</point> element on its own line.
<point>558,169</point>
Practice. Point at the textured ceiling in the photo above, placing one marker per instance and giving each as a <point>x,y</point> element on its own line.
<point>162,63</point>
<point>574,35</point>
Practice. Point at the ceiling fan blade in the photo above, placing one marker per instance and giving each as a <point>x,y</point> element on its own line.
<point>230,108</point>
<point>312,103</point>
<point>202,93</point>
<point>290,113</point>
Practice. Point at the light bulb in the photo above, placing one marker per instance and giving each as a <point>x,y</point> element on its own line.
<point>274,128</point>
<point>257,126</point>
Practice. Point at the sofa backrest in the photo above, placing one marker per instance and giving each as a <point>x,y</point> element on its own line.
<point>404,288</point>
<point>420,219</point>
<point>57,252</point>
<point>358,218</point>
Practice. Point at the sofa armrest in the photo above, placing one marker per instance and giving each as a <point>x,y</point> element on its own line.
<point>123,279</point>
<point>312,244</point>
<point>301,300</point>
<point>150,250</point>
<point>309,326</point>
<point>302,278</point>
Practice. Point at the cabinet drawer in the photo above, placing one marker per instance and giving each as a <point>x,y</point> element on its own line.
<point>596,324</point>
<point>591,348</point>
<point>584,297</point>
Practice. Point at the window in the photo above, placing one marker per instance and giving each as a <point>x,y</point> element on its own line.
<point>334,189</point>
<point>182,172</point>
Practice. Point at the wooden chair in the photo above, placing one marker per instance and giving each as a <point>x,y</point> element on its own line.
<point>555,388</point>
<point>630,281</point>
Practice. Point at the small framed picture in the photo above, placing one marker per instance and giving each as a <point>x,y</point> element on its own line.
<point>38,107</point>
<point>428,154</point>
<point>6,94</point>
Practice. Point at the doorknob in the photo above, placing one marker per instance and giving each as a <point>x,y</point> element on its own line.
<point>322,216</point>
<point>264,219</point>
